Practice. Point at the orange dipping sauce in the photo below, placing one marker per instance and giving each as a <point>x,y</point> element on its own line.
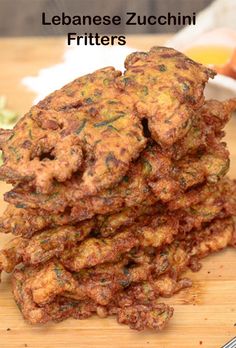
<point>210,55</point>
<point>216,49</point>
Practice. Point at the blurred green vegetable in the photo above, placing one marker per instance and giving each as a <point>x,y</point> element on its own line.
<point>8,117</point>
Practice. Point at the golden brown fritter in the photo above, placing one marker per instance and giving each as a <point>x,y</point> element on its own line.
<point>12,254</point>
<point>62,308</point>
<point>99,284</point>
<point>160,230</point>
<point>50,281</point>
<point>171,261</point>
<point>185,251</point>
<point>164,271</point>
<point>107,225</point>
<point>202,205</point>
<point>149,291</point>
<point>205,133</point>
<point>140,317</point>
<point>146,181</point>
<point>151,163</point>
<point>85,127</point>
<point>211,197</point>
<point>206,128</point>
<point>103,282</point>
<point>62,242</point>
<point>167,87</point>
<point>217,236</point>
<point>42,246</point>
<point>94,251</point>
<point>51,243</point>
<point>92,126</point>
<point>26,222</point>
<point>101,288</point>
<point>150,230</point>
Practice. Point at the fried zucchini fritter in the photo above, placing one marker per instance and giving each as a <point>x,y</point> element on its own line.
<point>153,164</point>
<point>167,87</point>
<point>92,126</point>
<point>140,317</point>
<point>101,287</point>
<point>58,310</point>
<point>156,316</point>
<point>94,251</point>
<point>84,128</point>
<point>152,178</point>
<point>171,261</point>
<point>99,284</point>
<point>26,222</point>
<point>198,202</point>
<point>149,230</point>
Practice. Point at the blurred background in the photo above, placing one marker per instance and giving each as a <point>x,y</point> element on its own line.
<point>23,17</point>
<point>36,59</point>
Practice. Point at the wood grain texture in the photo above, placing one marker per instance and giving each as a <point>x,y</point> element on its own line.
<point>205,315</point>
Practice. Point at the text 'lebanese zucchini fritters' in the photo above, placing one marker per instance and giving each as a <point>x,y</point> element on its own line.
<point>119,187</point>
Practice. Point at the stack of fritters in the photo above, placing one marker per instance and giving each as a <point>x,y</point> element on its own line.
<point>119,187</point>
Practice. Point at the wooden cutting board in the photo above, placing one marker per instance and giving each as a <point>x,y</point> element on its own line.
<point>205,315</point>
